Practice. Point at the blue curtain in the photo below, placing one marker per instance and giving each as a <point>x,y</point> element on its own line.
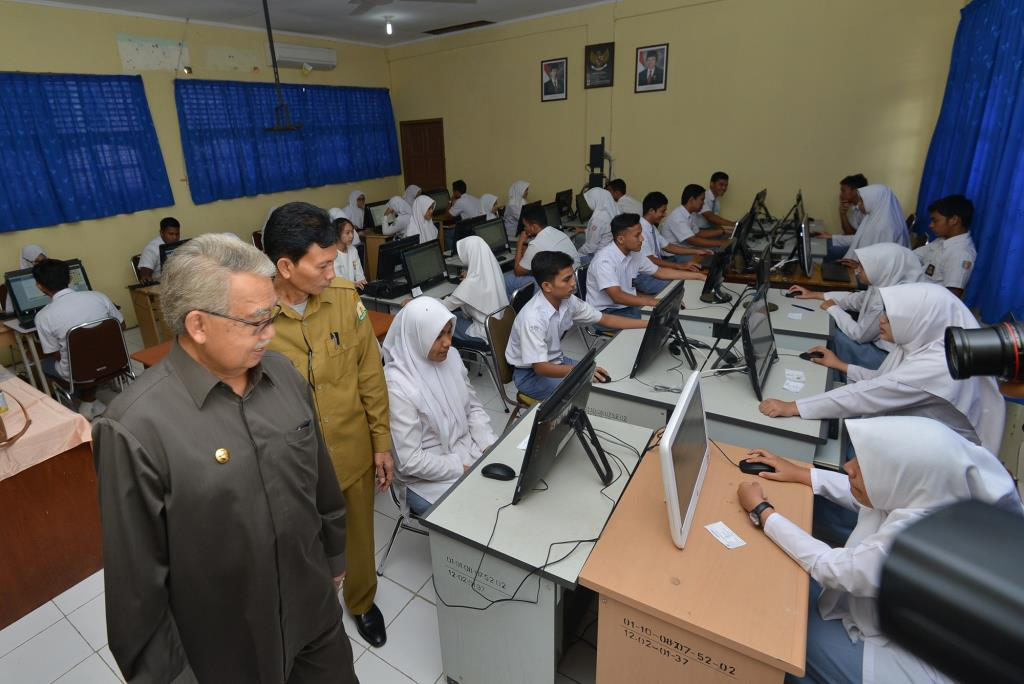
<point>978,150</point>
<point>346,134</point>
<point>75,147</point>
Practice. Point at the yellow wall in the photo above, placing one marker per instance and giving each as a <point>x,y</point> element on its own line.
<point>48,39</point>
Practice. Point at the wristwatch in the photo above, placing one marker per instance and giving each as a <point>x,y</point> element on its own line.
<point>755,514</point>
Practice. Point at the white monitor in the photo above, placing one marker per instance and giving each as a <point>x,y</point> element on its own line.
<point>684,459</point>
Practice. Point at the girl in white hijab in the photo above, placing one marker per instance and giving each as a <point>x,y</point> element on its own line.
<point>420,222</point>
<point>487,202</point>
<point>914,378</point>
<point>881,265</point>
<point>517,194</point>
<point>396,217</point>
<point>599,227</point>
<point>354,212</point>
<point>481,293</point>
<point>883,222</point>
<point>438,426</point>
<point>411,193</point>
<point>906,468</point>
<point>30,256</point>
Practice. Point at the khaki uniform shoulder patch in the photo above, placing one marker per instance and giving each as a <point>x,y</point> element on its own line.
<point>967,265</point>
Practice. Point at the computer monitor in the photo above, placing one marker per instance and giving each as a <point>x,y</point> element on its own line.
<point>683,452</point>
<point>389,256</point>
<point>583,210</point>
<point>758,341</point>
<point>376,210</point>
<point>663,324</point>
<point>740,237</point>
<point>564,201</point>
<point>764,266</point>
<point>442,200</point>
<point>804,239</point>
<point>464,229</point>
<point>712,292</point>
<point>553,213</point>
<point>26,296</point>
<point>528,205</point>
<point>167,249</point>
<point>556,420</point>
<point>493,233</point>
<point>424,265</point>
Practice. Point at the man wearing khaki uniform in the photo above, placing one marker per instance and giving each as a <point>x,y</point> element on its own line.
<point>325,332</point>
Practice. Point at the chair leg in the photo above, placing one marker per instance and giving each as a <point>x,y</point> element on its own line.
<point>512,418</point>
<point>387,551</point>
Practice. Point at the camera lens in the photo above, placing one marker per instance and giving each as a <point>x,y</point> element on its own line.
<point>998,351</point>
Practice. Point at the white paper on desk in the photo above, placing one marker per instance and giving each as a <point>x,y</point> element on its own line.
<point>795,315</point>
<point>416,292</point>
<point>794,375</point>
<point>793,386</point>
<point>522,445</point>
<point>720,531</point>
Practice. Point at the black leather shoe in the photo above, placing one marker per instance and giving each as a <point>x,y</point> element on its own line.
<point>371,627</point>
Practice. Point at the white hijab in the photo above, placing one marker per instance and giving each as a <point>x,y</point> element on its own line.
<point>599,227</point>
<point>418,225</point>
<point>487,202</point>
<point>411,193</point>
<point>883,218</point>
<point>885,264</point>
<point>352,212</point>
<point>515,196</point>
<point>29,254</point>
<point>399,206</point>
<point>919,314</point>
<point>484,286</point>
<point>439,390</point>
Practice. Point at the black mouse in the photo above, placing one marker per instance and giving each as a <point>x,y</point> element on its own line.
<point>498,471</point>
<point>790,295</point>
<point>754,467</point>
<point>807,356</point>
<point>602,377</point>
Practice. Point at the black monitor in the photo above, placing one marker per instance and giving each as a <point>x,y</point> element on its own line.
<point>803,243</point>
<point>526,206</point>
<point>465,228</point>
<point>442,200</point>
<point>493,233</point>
<point>389,256</point>
<point>764,267</point>
<point>28,299</point>
<point>663,324</point>
<point>583,210</point>
<point>376,211</point>
<point>758,341</point>
<point>424,265</point>
<point>712,292</point>
<point>553,214</point>
<point>556,420</point>
<point>564,201</point>
<point>167,249</point>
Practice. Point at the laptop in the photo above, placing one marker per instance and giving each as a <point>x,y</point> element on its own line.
<point>28,299</point>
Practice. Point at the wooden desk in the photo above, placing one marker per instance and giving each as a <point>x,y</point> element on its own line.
<point>797,277</point>
<point>373,240</point>
<point>6,337</point>
<point>150,315</point>
<point>705,613</point>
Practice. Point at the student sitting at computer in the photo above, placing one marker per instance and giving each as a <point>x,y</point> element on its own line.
<point>610,287</point>
<point>599,226</point>
<point>949,259</point>
<point>709,221</point>
<point>542,238</point>
<point>906,468</point>
<point>914,379</point>
<point>149,260</point>
<point>487,204</point>
<point>30,256</point>
<point>411,193</point>
<point>535,344</point>
<point>850,215</point>
<point>883,222</point>
<point>67,309</point>
<point>438,426</point>
<point>657,250</point>
<point>882,265</point>
<point>346,263</point>
<point>464,206</point>
<point>680,228</point>
<point>421,221</point>
<point>396,217</point>
<point>517,194</point>
<point>481,292</point>
<point>625,203</point>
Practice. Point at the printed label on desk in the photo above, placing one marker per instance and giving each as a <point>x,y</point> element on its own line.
<point>720,531</point>
<point>793,386</point>
<point>795,315</point>
<point>605,413</point>
<point>650,639</point>
<point>467,573</point>
<point>416,292</point>
<point>795,375</point>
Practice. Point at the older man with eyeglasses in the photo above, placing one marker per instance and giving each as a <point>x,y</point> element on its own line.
<point>223,521</point>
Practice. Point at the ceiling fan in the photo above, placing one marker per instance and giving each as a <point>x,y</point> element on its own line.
<point>364,6</point>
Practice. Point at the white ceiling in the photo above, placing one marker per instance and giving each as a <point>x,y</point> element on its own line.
<point>355,20</point>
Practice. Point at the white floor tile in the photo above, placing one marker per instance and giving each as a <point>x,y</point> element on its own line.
<point>391,599</point>
<point>383,526</point>
<point>46,656</point>
<point>498,421</point>
<point>14,635</point>
<point>382,503</point>
<point>579,663</point>
<point>91,622</point>
<point>370,668</point>
<point>108,658</point>
<point>92,670</point>
<point>413,643</point>
<point>357,649</point>
<point>409,562</point>
<point>486,392</point>
<point>427,592</point>
<point>80,594</point>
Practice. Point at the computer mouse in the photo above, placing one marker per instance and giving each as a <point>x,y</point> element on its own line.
<point>754,467</point>
<point>602,377</point>
<point>807,356</point>
<point>498,471</point>
<point>790,295</point>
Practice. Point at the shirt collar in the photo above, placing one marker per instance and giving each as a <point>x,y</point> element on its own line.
<point>199,381</point>
<point>962,237</point>
<point>61,293</point>
<point>312,305</point>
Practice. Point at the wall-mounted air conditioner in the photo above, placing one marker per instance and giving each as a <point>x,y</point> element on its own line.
<point>291,56</point>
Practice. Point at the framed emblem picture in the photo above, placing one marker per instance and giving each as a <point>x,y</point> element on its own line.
<point>599,65</point>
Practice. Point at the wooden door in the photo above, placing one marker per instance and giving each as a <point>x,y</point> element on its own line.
<point>423,153</point>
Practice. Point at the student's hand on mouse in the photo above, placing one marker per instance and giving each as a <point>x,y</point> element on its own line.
<point>384,469</point>
<point>828,358</point>
<point>827,303</point>
<point>776,408</point>
<point>601,375</point>
<point>804,293</point>
<point>360,284</point>
<point>750,495</point>
<point>785,471</point>
<point>849,263</point>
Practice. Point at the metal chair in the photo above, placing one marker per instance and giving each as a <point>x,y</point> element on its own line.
<point>404,514</point>
<point>521,296</point>
<point>257,239</point>
<point>588,332</point>
<point>135,268</point>
<point>499,329</point>
<point>96,354</point>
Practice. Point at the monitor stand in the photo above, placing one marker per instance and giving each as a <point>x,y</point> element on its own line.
<point>579,421</point>
<point>681,344</point>
<point>716,296</point>
<point>724,352</point>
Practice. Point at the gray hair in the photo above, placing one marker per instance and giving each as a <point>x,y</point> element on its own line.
<point>196,275</point>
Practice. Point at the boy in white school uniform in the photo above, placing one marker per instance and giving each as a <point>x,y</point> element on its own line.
<point>850,215</point>
<point>949,259</point>
<point>149,260</point>
<point>464,206</point>
<point>710,220</point>
<point>680,227</point>
<point>610,287</point>
<point>656,249</point>
<point>67,309</point>
<point>625,203</point>
<point>535,344</point>
<point>542,238</point>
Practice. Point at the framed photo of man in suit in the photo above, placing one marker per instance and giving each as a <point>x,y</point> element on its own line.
<point>552,79</point>
<point>599,65</point>
<point>651,68</point>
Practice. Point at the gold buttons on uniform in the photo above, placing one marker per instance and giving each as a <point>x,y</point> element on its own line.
<point>222,455</point>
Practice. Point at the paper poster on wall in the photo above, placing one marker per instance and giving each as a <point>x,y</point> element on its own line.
<point>144,53</point>
<point>651,68</point>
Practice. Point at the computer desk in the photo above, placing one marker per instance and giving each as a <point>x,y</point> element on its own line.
<point>516,642</point>
<point>705,613</point>
<point>33,366</point>
<point>394,304</point>
<point>505,261</point>
<point>795,328</point>
<point>729,400</point>
<point>797,277</point>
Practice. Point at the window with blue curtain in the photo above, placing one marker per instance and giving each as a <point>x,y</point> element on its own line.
<point>346,134</point>
<point>76,147</point>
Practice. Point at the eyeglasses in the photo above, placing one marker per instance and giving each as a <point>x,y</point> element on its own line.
<point>257,326</point>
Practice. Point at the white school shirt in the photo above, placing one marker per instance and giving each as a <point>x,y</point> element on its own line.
<point>711,204</point>
<point>466,207</point>
<point>549,240</point>
<point>347,265</point>
<point>150,257</point>
<point>654,244</point>
<point>537,332</point>
<point>854,216</point>
<point>628,205</point>
<point>609,268</point>
<point>68,309</point>
<point>678,227</point>
<point>948,261</point>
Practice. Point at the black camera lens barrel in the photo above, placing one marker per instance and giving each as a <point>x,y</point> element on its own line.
<point>998,351</point>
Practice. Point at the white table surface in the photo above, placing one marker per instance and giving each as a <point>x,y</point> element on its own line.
<point>442,289</point>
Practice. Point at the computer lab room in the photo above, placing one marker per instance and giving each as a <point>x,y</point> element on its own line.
<point>511,342</point>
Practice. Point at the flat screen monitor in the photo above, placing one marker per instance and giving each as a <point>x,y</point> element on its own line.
<point>716,276</point>
<point>389,256</point>
<point>466,228</point>
<point>663,322</point>
<point>553,425</point>
<point>764,266</point>
<point>376,210</point>
<point>493,233</point>
<point>583,210</point>
<point>26,296</point>
<point>758,341</point>
<point>564,201</point>
<point>740,237</point>
<point>424,265</point>
<point>553,214</point>
<point>442,200</point>
<point>683,453</point>
<point>167,249</point>
<point>804,239</point>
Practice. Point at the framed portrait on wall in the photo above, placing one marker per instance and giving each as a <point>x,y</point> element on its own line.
<point>599,65</point>
<point>651,68</point>
<point>552,79</point>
